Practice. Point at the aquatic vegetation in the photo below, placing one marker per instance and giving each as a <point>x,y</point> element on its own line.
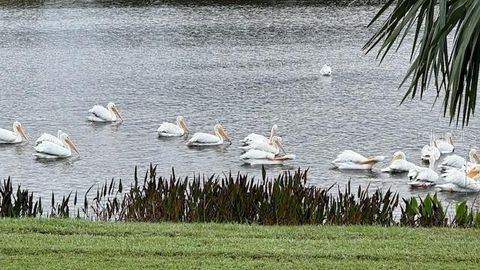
<point>286,199</point>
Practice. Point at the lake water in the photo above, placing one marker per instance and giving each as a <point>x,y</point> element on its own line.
<point>246,67</point>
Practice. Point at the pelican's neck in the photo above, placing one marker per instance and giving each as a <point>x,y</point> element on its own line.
<point>432,164</point>
<point>66,146</point>
<point>450,140</point>
<point>18,136</point>
<point>16,132</point>
<point>272,133</point>
<point>114,115</point>
<point>217,133</point>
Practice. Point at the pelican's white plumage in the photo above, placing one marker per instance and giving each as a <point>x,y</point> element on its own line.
<point>102,114</point>
<point>349,159</point>
<point>257,157</point>
<point>326,70</point>
<point>399,164</point>
<point>49,137</point>
<point>206,139</point>
<point>274,146</point>
<point>445,145</point>
<point>461,180</point>
<point>173,130</point>
<point>50,150</point>
<point>15,136</point>
<point>458,162</point>
<point>428,151</point>
<point>253,137</point>
<point>423,177</point>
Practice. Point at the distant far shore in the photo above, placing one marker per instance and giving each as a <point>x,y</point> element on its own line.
<point>137,3</point>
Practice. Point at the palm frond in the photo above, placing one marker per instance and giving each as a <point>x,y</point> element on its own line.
<point>454,71</point>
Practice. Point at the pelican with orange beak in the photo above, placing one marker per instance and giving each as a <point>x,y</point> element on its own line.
<point>464,180</point>
<point>15,136</point>
<point>173,130</point>
<point>102,114</point>
<point>50,150</point>
<point>206,139</point>
<point>253,137</point>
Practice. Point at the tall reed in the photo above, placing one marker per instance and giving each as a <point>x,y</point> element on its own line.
<point>286,199</point>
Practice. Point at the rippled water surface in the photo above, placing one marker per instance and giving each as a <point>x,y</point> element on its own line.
<point>246,67</point>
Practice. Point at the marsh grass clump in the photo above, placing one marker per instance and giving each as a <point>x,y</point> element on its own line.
<point>283,200</point>
<point>19,203</point>
<point>286,199</point>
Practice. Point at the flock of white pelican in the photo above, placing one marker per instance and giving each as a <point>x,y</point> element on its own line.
<point>257,149</point>
<point>456,173</point>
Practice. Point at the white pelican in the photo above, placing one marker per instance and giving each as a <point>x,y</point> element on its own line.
<point>205,139</point>
<point>445,145</point>
<point>461,180</point>
<point>173,130</point>
<point>50,138</point>
<point>326,70</point>
<point>351,160</point>
<point>457,162</point>
<point>257,137</point>
<point>50,150</point>
<point>257,157</point>
<point>423,177</point>
<point>274,146</point>
<point>15,136</point>
<point>399,164</point>
<point>102,114</point>
<point>430,151</point>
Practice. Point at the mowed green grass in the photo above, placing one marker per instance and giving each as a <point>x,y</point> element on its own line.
<point>79,244</point>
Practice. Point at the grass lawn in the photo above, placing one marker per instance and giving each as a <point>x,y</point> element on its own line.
<point>79,244</point>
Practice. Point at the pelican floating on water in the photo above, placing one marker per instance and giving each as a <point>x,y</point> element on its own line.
<point>458,162</point>
<point>423,177</point>
<point>350,160</point>
<point>50,150</point>
<point>399,164</point>
<point>15,136</point>
<point>445,145</point>
<point>173,130</point>
<point>102,114</point>
<point>206,139</point>
<point>257,157</point>
<point>260,138</point>
<point>430,150</point>
<point>274,146</point>
<point>326,70</point>
<point>50,138</point>
<point>465,180</point>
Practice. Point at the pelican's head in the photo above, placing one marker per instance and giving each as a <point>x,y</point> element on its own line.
<point>182,123</point>
<point>68,142</point>
<point>18,129</point>
<point>59,133</point>
<point>273,131</point>
<point>113,108</point>
<point>220,131</point>
<point>399,155</point>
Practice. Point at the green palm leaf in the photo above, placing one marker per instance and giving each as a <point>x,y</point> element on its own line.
<point>454,71</point>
